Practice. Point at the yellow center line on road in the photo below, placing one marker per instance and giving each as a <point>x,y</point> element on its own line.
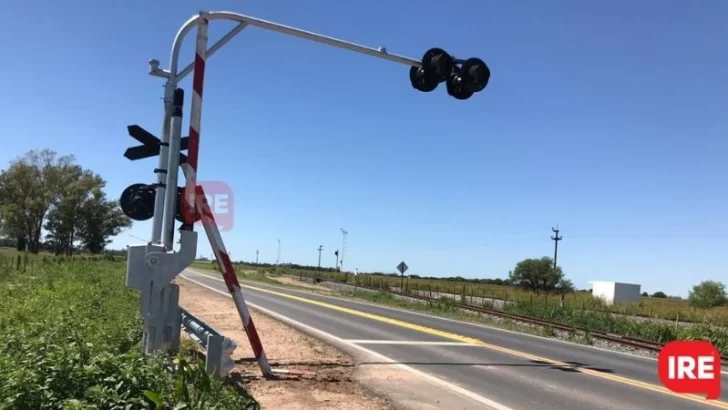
<point>480,343</point>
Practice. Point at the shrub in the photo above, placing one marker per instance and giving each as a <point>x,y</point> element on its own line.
<point>707,294</point>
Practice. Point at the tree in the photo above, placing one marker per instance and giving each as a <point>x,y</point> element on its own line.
<point>644,294</point>
<point>708,294</point>
<point>101,219</point>
<point>659,294</point>
<point>42,191</point>
<point>539,275</point>
<point>28,189</point>
<point>64,219</point>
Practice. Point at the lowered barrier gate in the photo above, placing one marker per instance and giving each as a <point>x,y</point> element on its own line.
<point>219,348</point>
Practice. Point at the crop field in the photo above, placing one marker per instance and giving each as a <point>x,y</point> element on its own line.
<point>71,332</point>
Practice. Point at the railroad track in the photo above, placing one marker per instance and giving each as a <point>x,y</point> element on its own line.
<point>610,337</point>
<point>640,343</point>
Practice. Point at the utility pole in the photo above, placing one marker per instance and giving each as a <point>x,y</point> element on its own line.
<point>320,248</point>
<point>336,252</point>
<point>556,238</point>
<point>256,256</point>
<point>344,232</point>
<point>278,258</point>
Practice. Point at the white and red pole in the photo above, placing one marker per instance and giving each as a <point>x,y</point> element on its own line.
<point>196,202</point>
<point>231,280</point>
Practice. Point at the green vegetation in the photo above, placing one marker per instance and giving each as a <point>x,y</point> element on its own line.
<point>41,192</point>
<point>70,340</point>
<point>539,276</point>
<point>602,320</point>
<point>708,294</point>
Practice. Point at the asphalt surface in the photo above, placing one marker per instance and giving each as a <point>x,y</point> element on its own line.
<point>515,370</point>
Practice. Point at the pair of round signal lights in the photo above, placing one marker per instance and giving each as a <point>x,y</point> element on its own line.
<point>462,80</point>
<point>137,202</point>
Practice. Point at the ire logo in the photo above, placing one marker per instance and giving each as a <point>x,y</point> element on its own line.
<point>690,367</point>
<point>219,198</point>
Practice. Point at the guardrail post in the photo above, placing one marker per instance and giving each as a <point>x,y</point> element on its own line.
<point>219,348</point>
<point>214,355</point>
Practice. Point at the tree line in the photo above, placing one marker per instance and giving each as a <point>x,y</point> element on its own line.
<point>49,202</point>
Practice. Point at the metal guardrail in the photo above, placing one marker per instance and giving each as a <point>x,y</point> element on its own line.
<point>218,361</point>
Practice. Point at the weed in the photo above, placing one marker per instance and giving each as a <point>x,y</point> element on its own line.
<point>71,340</point>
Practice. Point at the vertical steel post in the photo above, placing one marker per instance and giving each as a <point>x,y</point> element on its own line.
<point>161,171</point>
<point>170,198</point>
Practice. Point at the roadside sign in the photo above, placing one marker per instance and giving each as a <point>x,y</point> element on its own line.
<point>402,267</point>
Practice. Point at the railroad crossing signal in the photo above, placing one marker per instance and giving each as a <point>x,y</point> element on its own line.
<point>150,145</point>
<point>463,78</point>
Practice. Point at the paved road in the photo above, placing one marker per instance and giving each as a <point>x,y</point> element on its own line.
<point>515,370</point>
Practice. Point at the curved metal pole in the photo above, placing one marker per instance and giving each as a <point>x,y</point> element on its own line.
<point>292,31</point>
<point>174,76</point>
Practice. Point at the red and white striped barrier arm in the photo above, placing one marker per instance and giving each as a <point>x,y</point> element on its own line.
<point>193,147</point>
<point>231,279</point>
<point>196,203</point>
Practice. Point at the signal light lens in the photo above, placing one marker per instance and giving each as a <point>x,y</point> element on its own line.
<point>475,74</point>
<point>457,87</point>
<point>421,81</point>
<point>137,201</point>
<point>437,63</point>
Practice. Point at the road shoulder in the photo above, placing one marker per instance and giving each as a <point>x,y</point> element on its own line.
<point>403,386</point>
<point>331,382</point>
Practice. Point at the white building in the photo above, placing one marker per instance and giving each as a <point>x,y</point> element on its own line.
<point>612,292</point>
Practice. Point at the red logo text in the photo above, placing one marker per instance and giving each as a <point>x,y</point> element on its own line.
<point>690,367</point>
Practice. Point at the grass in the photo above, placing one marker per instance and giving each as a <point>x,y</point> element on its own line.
<point>70,339</point>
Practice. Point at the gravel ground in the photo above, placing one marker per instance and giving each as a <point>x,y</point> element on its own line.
<point>329,381</point>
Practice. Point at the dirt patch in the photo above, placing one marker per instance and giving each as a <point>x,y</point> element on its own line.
<point>330,382</point>
<point>290,281</point>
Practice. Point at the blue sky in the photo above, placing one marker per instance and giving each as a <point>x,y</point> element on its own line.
<point>608,118</point>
